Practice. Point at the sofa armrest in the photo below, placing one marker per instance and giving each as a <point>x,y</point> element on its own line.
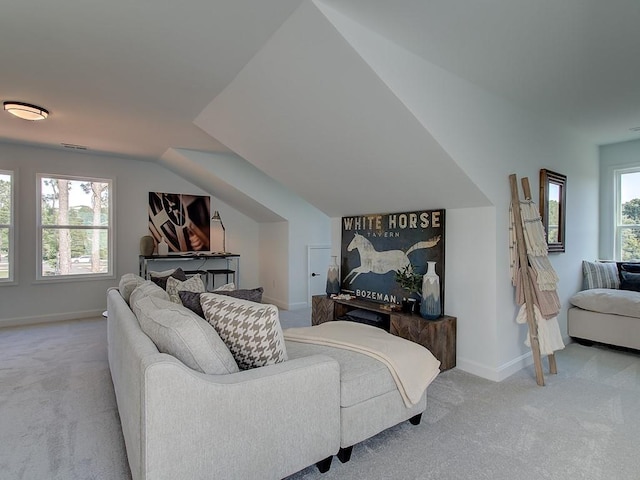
<point>267,422</point>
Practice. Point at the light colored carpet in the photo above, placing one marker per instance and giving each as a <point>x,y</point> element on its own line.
<point>58,418</point>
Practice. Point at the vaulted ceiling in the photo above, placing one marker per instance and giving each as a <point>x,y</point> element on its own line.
<point>276,83</point>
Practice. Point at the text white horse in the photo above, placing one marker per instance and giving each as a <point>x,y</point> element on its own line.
<point>372,261</point>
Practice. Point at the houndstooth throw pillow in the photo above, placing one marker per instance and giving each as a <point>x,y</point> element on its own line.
<point>251,331</point>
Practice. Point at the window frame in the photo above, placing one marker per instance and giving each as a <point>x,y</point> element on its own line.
<point>618,226</point>
<point>110,228</point>
<point>11,226</point>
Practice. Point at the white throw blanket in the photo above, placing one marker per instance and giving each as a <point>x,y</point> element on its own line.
<point>412,366</point>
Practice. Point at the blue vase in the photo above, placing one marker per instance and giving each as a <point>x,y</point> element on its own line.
<point>430,308</point>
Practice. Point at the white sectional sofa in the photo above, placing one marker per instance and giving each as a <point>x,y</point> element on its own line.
<point>199,416</point>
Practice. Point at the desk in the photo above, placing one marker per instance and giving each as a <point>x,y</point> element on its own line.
<point>208,264</point>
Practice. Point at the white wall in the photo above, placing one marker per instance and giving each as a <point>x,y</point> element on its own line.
<point>29,301</point>
<point>613,157</point>
<point>489,138</point>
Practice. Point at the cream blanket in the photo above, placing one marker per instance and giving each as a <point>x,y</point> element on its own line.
<point>412,366</point>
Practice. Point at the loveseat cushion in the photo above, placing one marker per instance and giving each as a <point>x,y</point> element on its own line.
<point>179,332</point>
<point>251,330</point>
<point>146,289</point>
<point>361,376</point>
<point>128,283</point>
<point>607,300</point>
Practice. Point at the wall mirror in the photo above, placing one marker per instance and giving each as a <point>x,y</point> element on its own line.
<point>553,195</point>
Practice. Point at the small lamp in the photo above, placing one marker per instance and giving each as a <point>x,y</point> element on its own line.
<point>26,111</point>
<point>216,218</point>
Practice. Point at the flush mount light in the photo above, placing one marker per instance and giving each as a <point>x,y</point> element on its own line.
<point>26,111</point>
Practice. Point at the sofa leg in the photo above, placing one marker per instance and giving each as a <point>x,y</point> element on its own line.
<point>344,455</point>
<point>415,420</point>
<point>324,465</point>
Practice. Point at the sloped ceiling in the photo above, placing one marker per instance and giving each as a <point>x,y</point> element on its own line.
<point>310,112</point>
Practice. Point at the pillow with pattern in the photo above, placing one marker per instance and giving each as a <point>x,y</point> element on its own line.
<point>251,331</point>
<point>600,275</point>
<point>193,284</point>
<point>160,278</point>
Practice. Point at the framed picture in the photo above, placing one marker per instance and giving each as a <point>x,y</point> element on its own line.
<point>375,246</point>
<point>184,221</point>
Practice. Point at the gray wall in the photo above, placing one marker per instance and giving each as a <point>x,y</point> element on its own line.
<point>29,301</point>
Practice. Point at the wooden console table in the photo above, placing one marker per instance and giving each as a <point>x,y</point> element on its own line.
<point>438,336</point>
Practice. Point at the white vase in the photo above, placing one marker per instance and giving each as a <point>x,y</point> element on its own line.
<point>333,278</point>
<point>163,248</point>
<point>430,308</point>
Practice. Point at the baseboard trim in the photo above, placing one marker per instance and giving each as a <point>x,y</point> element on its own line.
<point>495,374</point>
<point>55,317</point>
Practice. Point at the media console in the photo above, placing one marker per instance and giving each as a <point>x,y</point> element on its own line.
<point>438,336</point>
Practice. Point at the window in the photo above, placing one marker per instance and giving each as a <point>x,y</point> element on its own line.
<point>628,214</point>
<point>6,227</point>
<point>75,227</point>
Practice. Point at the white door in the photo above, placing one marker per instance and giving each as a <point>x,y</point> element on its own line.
<point>319,259</point>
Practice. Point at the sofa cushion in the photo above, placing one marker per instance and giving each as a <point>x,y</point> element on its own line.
<point>160,278</point>
<point>179,332</point>
<point>361,376</point>
<point>146,289</point>
<point>600,275</point>
<point>607,300</point>
<point>251,330</point>
<point>193,284</point>
<point>128,283</point>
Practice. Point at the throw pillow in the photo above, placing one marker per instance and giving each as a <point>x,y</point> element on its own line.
<point>253,295</point>
<point>193,284</point>
<point>191,300</point>
<point>225,288</point>
<point>128,284</point>
<point>600,275</point>
<point>160,278</point>
<point>181,333</point>
<point>630,281</point>
<point>630,267</point>
<point>251,330</point>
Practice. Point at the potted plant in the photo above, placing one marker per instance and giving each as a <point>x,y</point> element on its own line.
<point>411,282</point>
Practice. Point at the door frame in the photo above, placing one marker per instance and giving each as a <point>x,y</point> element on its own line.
<point>309,249</point>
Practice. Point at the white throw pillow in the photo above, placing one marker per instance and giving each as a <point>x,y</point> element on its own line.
<point>227,287</point>
<point>251,330</point>
<point>146,289</point>
<point>128,283</point>
<point>193,284</point>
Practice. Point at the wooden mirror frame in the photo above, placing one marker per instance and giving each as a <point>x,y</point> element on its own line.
<point>548,178</point>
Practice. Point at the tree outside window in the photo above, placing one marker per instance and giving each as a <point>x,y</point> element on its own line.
<point>6,226</point>
<point>75,226</point>
<point>628,224</point>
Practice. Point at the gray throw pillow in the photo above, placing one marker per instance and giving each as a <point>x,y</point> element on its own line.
<point>252,294</point>
<point>251,330</point>
<point>179,332</point>
<point>600,275</point>
<point>191,300</point>
<point>630,281</point>
<point>160,278</point>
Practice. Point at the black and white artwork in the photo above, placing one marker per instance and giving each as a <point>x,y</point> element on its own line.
<point>182,220</point>
<point>375,246</point>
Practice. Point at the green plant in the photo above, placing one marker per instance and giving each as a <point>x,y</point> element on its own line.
<point>409,280</point>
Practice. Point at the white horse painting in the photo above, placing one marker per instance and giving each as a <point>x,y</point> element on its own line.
<point>372,261</point>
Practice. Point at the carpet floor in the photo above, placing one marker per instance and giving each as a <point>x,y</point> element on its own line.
<point>58,418</point>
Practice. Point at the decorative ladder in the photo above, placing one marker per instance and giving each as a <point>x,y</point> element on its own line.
<point>526,281</point>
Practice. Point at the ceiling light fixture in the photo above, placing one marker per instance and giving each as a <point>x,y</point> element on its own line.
<point>26,111</point>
